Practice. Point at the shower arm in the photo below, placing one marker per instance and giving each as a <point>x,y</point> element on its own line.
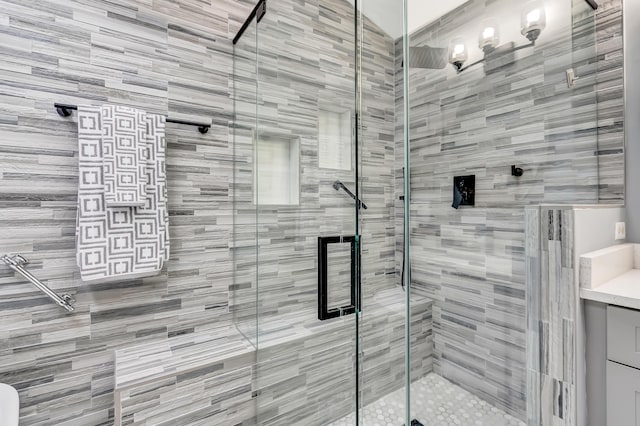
<point>337,185</point>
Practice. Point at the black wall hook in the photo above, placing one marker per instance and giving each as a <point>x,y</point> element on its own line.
<point>65,110</point>
<point>516,171</point>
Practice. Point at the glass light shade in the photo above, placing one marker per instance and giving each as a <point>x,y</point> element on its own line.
<point>534,20</point>
<point>489,37</point>
<point>458,52</point>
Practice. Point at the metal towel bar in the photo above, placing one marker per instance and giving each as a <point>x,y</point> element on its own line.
<point>64,110</point>
<point>18,262</point>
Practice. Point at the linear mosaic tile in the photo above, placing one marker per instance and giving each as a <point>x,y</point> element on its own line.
<point>176,58</point>
<point>471,261</point>
<point>304,372</point>
<point>167,57</point>
<point>551,317</point>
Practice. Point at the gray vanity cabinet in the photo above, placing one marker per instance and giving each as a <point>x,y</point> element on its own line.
<point>623,336</point>
<point>623,395</point>
<point>623,367</point>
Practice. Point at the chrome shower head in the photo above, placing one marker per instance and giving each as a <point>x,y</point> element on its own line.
<point>427,57</point>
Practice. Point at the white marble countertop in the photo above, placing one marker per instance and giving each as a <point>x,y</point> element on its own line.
<point>623,290</point>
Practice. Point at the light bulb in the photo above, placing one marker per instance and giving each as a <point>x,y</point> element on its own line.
<point>457,53</point>
<point>489,37</point>
<point>533,20</point>
<point>533,16</point>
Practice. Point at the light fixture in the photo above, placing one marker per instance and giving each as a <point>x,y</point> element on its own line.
<point>458,53</point>
<point>489,37</point>
<point>534,20</point>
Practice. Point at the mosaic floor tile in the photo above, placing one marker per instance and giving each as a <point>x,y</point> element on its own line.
<point>435,402</point>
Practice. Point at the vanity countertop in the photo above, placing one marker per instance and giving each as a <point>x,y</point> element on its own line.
<point>624,290</point>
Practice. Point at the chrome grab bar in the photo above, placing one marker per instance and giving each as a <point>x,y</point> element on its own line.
<point>17,263</point>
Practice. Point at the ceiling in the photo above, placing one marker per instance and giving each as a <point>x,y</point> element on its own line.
<point>423,12</point>
<point>387,14</point>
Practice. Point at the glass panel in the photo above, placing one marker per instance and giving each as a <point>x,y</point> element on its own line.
<point>489,98</point>
<point>242,297</point>
<point>496,124</point>
<point>306,61</point>
<point>383,321</point>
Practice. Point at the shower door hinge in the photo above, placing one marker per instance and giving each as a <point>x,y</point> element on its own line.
<point>593,4</point>
<point>261,10</point>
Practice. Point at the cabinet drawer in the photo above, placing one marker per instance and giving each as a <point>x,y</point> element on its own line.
<point>623,395</point>
<point>623,336</point>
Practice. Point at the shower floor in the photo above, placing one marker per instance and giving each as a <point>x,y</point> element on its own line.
<point>435,402</point>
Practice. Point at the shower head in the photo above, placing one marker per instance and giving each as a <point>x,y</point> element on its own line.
<point>337,185</point>
<point>427,57</point>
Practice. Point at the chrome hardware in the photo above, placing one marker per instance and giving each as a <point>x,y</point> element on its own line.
<point>571,78</point>
<point>337,185</point>
<point>17,263</point>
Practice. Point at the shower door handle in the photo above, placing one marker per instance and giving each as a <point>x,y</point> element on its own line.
<point>324,311</point>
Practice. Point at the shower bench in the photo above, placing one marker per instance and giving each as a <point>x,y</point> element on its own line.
<point>302,373</point>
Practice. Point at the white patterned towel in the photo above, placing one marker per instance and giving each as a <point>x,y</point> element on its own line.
<point>120,242</point>
<point>124,152</point>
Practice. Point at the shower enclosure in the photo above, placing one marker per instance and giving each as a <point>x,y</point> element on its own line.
<point>357,124</point>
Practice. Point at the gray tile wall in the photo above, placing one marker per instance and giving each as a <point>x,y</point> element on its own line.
<point>305,58</point>
<point>305,65</point>
<point>170,57</point>
<point>175,58</point>
<point>305,377</point>
<point>569,142</point>
<point>551,316</point>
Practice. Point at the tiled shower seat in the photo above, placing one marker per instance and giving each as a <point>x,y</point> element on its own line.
<point>175,381</point>
<point>304,368</point>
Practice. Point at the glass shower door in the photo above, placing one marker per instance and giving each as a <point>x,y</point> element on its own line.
<point>393,323</point>
<point>304,165</point>
<point>315,211</point>
<point>497,124</point>
<point>243,294</point>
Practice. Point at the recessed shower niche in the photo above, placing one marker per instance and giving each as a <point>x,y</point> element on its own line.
<point>334,140</point>
<point>276,177</point>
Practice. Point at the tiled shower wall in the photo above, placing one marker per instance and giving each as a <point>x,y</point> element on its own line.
<point>305,65</point>
<point>172,57</point>
<point>551,317</point>
<point>569,141</point>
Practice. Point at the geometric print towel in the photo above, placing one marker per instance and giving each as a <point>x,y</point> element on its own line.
<point>124,155</point>
<point>120,242</point>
